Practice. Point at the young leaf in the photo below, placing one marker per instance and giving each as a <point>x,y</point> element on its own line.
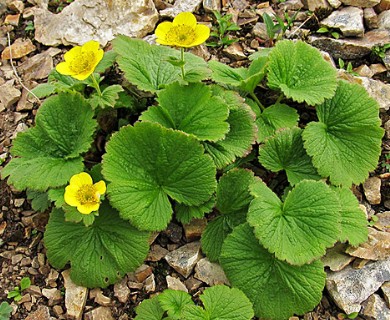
<point>149,309</point>
<point>174,301</point>
<point>44,90</point>
<point>202,115</point>
<point>100,254</point>
<point>300,229</point>
<point>25,283</point>
<point>108,98</point>
<point>147,163</point>
<point>346,142</point>
<point>270,26</point>
<point>5,311</point>
<point>39,200</point>
<point>148,67</point>
<point>275,117</point>
<point>285,151</point>
<point>276,288</point>
<point>300,72</point>
<point>64,129</point>
<point>57,196</point>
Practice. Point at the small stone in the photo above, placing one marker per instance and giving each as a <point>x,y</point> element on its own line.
<point>378,68</point>
<point>52,278</point>
<point>370,18</point>
<point>99,297</point>
<point>194,229</point>
<point>17,6</point>
<point>174,232</point>
<point>335,258</point>
<point>386,292</point>
<point>143,272</point>
<point>34,290</point>
<point>16,258</point>
<point>212,5</point>
<point>349,20</point>
<point>210,273</point>
<point>150,284</point>
<point>37,67</point>
<point>9,94</point>
<point>53,295</point>
<point>42,313</point>
<point>100,313</point>
<point>335,3</point>
<point>384,20</point>
<point>20,48</point>
<point>372,190</point>
<point>260,30</point>
<point>134,285</point>
<point>350,287</point>
<point>375,308</point>
<point>293,5</point>
<point>75,297</point>
<point>254,44</point>
<point>235,51</point>
<point>175,284</point>
<point>387,129</point>
<point>364,71</point>
<point>18,202</point>
<point>383,223</point>
<point>58,311</point>
<point>156,253</point>
<point>25,298</point>
<point>361,3</point>
<point>12,19</point>
<point>181,6</point>
<point>379,91</point>
<point>193,284</point>
<point>312,5</point>
<point>383,5</point>
<point>184,259</point>
<point>122,291</point>
<point>25,262</point>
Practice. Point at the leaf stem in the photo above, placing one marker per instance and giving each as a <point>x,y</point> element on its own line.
<point>279,98</point>
<point>96,84</point>
<point>254,97</point>
<point>183,62</point>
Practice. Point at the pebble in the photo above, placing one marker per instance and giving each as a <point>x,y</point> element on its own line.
<point>361,3</point>
<point>335,3</point>
<point>336,258</point>
<point>184,259</point>
<point>370,18</point>
<point>210,273</point>
<point>194,229</point>
<point>383,5</point>
<point>37,67</point>
<point>192,284</point>
<point>18,202</point>
<point>17,6</point>
<point>122,291</point>
<point>349,20</point>
<point>42,313</point>
<point>143,272</point>
<point>372,190</point>
<point>12,19</point>
<point>75,297</point>
<point>212,5</point>
<point>150,284</point>
<point>34,290</point>
<point>377,68</point>
<point>53,295</point>
<point>294,5</point>
<point>364,71</point>
<point>383,223</point>
<point>156,253</point>
<point>387,129</point>
<point>20,48</point>
<point>100,313</point>
<point>235,51</point>
<point>174,232</point>
<point>175,284</point>
<point>52,278</point>
<point>99,297</point>
<point>378,90</point>
<point>375,308</point>
<point>16,258</point>
<point>312,5</point>
<point>181,6</point>
<point>384,20</point>
<point>9,94</point>
<point>58,311</point>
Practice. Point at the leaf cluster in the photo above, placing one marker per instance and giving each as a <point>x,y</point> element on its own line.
<point>220,32</point>
<point>16,294</point>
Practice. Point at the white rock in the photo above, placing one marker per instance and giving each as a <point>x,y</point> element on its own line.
<point>75,297</point>
<point>175,284</point>
<point>210,273</point>
<point>181,6</point>
<point>122,291</point>
<point>99,20</point>
<point>384,20</point>
<point>184,259</point>
<point>349,20</point>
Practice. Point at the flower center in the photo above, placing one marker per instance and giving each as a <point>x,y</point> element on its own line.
<point>82,62</point>
<point>87,194</point>
<point>181,34</point>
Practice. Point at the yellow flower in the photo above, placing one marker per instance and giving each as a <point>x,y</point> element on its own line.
<point>83,194</point>
<point>184,31</point>
<point>80,62</point>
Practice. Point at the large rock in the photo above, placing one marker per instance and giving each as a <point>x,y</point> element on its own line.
<point>349,20</point>
<point>350,287</point>
<point>181,6</point>
<point>184,259</point>
<point>99,20</point>
<point>75,297</point>
<point>361,3</point>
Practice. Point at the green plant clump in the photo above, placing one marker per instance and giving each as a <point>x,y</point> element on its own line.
<point>196,145</point>
<point>5,311</point>
<point>16,294</point>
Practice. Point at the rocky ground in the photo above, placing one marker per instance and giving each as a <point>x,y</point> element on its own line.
<point>40,31</point>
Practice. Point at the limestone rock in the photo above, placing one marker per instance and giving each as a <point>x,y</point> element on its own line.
<point>156,253</point>
<point>312,5</point>
<point>349,20</point>
<point>122,291</point>
<point>335,3</point>
<point>377,247</point>
<point>364,71</point>
<point>181,6</point>
<point>42,313</point>
<point>378,90</point>
<point>143,272</point>
<point>9,94</point>
<point>100,313</point>
<point>192,283</point>
<point>361,3</point>
<point>194,229</point>
<point>210,273</point>
<point>184,259</point>
<point>150,284</point>
<point>335,258</point>
<point>212,5</point>
<point>378,68</point>
<point>384,20</point>
<point>75,297</point>
<point>372,190</point>
<point>370,18</point>
<point>383,222</point>
<point>375,308</point>
<point>99,20</point>
<point>53,295</point>
<point>350,287</point>
<point>37,67</point>
<point>175,284</point>
<point>20,48</point>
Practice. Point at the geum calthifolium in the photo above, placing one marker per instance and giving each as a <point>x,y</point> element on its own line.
<point>194,147</point>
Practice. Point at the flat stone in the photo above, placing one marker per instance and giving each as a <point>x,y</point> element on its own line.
<point>375,308</point>
<point>53,295</point>
<point>210,273</point>
<point>37,67</point>
<point>16,258</point>
<point>150,284</point>
<point>181,6</point>
<point>58,311</point>
<point>143,272</point>
<point>350,287</point>
<point>312,5</point>
<point>99,20</point>
<point>9,94</point>
<point>383,222</point>
<point>378,68</point>
<point>364,71</point>
<point>194,229</point>
<point>386,292</point>
<point>192,283</point>
<point>42,313</point>
<point>175,284</point>
<point>377,90</point>
<point>122,291</point>
<point>34,290</point>
<point>335,3</point>
<point>235,51</point>
<point>260,30</point>
<point>12,19</point>
<point>361,3</point>
<point>156,253</point>
<point>20,48</point>
<point>212,5</point>
<point>383,5</point>
<point>184,259</point>
<point>100,313</point>
<point>377,247</point>
<point>99,297</point>
<point>349,20</point>
<point>370,18</point>
<point>75,297</point>
<point>18,203</point>
<point>336,258</point>
<point>372,190</point>
<point>291,5</point>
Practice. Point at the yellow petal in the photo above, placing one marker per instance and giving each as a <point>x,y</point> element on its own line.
<point>90,46</point>
<point>202,33</point>
<point>82,76</point>
<point>72,53</point>
<point>162,29</point>
<point>70,196</point>
<point>63,68</point>
<point>78,180</point>
<point>100,187</point>
<point>98,57</point>
<point>88,207</point>
<point>186,18</point>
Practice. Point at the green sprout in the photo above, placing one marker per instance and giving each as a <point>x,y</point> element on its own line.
<point>220,32</point>
<point>276,31</point>
<point>16,294</point>
<point>348,68</point>
<point>334,33</point>
<point>380,51</point>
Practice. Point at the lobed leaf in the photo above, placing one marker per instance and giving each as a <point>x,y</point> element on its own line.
<point>149,309</point>
<point>185,214</point>
<point>174,301</point>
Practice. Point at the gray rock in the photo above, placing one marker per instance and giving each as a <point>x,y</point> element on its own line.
<point>184,259</point>
<point>370,18</point>
<point>181,6</point>
<point>384,20</point>
<point>361,3</point>
<point>175,284</point>
<point>335,3</point>
<point>375,308</point>
<point>349,20</point>
<point>53,295</point>
<point>260,30</point>
<point>100,313</point>
<point>210,273</point>
<point>372,190</point>
<point>212,5</point>
<point>150,284</point>
<point>312,5</point>
<point>42,313</point>
<point>378,90</point>
<point>336,258</point>
<point>9,94</point>
<point>156,253</point>
<point>122,291</point>
<point>291,5</point>
<point>350,287</point>
<point>37,67</point>
<point>99,20</point>
<point>75,297</point>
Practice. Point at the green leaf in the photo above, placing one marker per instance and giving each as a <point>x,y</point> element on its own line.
<point>108,98</point>
<point>73,215</point>
<point>300,72</point>
<point>224,303</point>
<point>44,90</point>
<point>64,129</point>
<point>57,196</point>
<point>346,142</point>
<point>185,214</point>
<point>25,283</point>
<point>191,109</point>
<point>14,294</point>
<point>194,313</point>
<point>275,117</point>
<point>5,311</point>
<point>238,141</point>
<point>174,301</point>
<point>353,220</point>
<point>100,254</point>
<point>107,61</point>
<point>147,66</point>
<point>300,229</point>
<point>276,288</point>
<point>149,309</point>
<point>39,200</point>
<point>147,163</point>
<point>285,151</point>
